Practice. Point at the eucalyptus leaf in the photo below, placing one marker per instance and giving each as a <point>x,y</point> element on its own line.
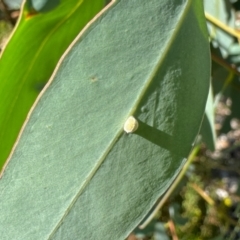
<point>208,131</point>
<point>75,174</point>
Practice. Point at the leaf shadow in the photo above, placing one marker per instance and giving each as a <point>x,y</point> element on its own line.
<point>158,137</point>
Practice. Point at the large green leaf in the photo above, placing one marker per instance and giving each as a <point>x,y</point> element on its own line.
<point>31,55</point>
<point>75,174</point>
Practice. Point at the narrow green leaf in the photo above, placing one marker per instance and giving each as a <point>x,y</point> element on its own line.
<point>31,55</point>
<point>208,131</point>
<point>75,174</point>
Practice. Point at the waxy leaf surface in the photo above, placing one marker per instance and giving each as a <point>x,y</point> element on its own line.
<point>75,174</point>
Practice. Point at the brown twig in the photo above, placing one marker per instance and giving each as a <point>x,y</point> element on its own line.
<point>172,230</point>
<point>204,195</point>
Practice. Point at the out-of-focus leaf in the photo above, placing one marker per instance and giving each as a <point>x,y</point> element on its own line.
<point>222,11</point>
<point>75,174</point>
<point>160,232</point>
<point>13,4</point>
<point>208,128</point>
<point>226,84</point>
<point>174,212</point>
<point>30,57</point>
<point>232,92</point>
<point>42,5</point>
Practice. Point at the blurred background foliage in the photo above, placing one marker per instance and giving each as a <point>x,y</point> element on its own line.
<point>204,201</point>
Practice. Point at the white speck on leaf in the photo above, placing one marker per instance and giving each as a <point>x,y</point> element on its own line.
<point>131,125</point>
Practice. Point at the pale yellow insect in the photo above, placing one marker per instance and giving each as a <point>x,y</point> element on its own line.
<point>131,125</point>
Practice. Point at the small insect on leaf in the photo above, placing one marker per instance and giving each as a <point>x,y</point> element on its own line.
<point>131,125</point>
